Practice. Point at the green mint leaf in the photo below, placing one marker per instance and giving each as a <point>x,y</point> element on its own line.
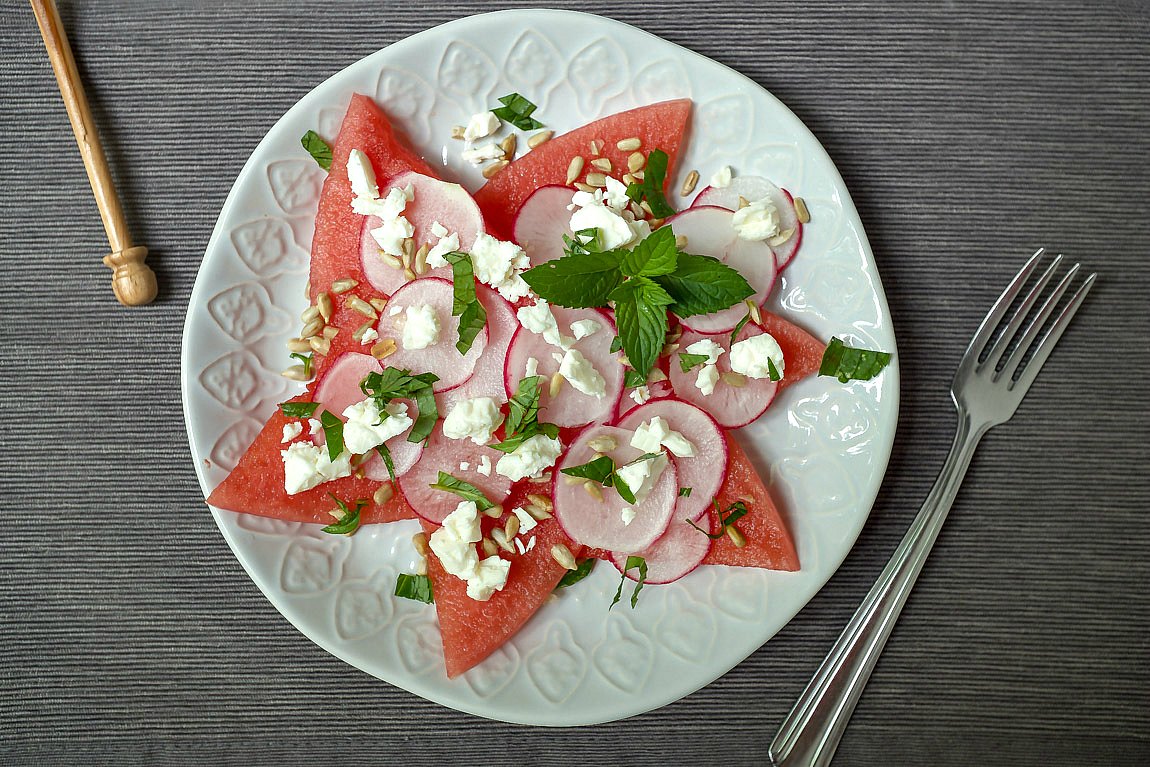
<point>635,192</point>
<point>298,409</point>
<point>773,371</point>
<point>464,302</point>
<point>523,408</point>
<point>641,317</point>
<point>733,514</point>
<point>517,110</point>
<point>848,363</point>
<point>305,360</point>
<point>577,281</point>
<point>688,361</point>
<point>333,433</point>
<point>633,378</point>
<point>464,490</point>
<point>511,444</point>
<point>416,587</point>
<point>395,383</point>
<point>428,415</point>
<point>633,562</point>
<point>701,285</point>
<point>317,148</point>
<point>654,179</point>
<point>385,454</point>
<point>655,255</point>
<point>616,344</point>
<point>622,489</point>
<point>739,327</point>
<point>348,521</point>
<point>581,571</point>
<point>601,470</point>
<point>684,492</point>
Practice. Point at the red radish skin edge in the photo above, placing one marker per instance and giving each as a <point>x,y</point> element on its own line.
<point>668,550</point>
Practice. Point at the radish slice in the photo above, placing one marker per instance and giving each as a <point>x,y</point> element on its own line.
<point>542,221</point>
<point>569,407</point>
<point>600,523</point>
<point>709,232</point>
<point>487,380</point>
<point>731,406</point>
<point>441,358</point>
<point>753,188</point>
<point>443,454</point>
<point>340,389</point>
<point>433,200</point>
<point>705,471</point>
<point>677,552</point>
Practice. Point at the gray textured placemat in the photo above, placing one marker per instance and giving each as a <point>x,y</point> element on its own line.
<point>969,134</point>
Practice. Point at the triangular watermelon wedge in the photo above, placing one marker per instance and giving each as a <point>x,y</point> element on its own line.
<point>473,630</point>
<point>657,126</point>
<point>802,351</point>
<point>769,544</point>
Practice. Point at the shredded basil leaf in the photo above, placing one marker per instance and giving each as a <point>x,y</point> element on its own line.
<point>622,489</point>
<point>517,110</point>
<point>348,523</point>
<point>684,492</point>
<point>394,383</point>
<point>298,409</point>
<point>523,416</point>
<point>465,302</point>
<point>733,514</point>
<point>385,454</point>
<point>581,571</point>
<point>739,327</point>
<point>332,433</point>
<point>633,378</point>
<point>848,363</point>
<point>416,587</point>
<point>464,490</point>
<point>601,470</point>
<point>689,361</point>
<point>651,187</point>
<point>319,149</point>
<point>773,371</point>
<point>632,563</point>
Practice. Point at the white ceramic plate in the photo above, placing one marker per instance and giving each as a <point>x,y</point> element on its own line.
<point>823,446</point>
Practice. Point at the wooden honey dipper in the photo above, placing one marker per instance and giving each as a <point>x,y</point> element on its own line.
<point>133,281</point>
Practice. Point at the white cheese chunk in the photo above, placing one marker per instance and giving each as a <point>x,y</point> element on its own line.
<point>464,465</point>
<point>480,154</point>
<point>314,426</point>
<point>480,125</point>
<point>370,336</point>
<point>531,368</point>
<point>757,221</point>
<point>709,374</point>
<point>706,379</point>
<point>640,394</point>
<point>615,196</point>
<point>641,476</point>
<point>539,320</point>
<point>722,177</point>
<point>527,522</point>
<point>361,175</point>
<point>750,356</point>
<point>614,230</point>
<point>530,458</point>
<point>389,235</point>
<point>498,263</point>
<point>448,243</point>
<point>654,435</point>
<point>490,576</point>
<point>484,466</point>
<point>583,328</point>
<point>582,375</point>
<point>365,426</point>
<point>454,542</point>
<point>627,514</point>
<point>292,430</point>
<point>530,543</point>
<point>473,419</point>
<point>307,465</point>
<point>420,327</point>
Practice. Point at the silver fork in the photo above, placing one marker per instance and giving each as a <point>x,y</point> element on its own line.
<point>992,378</point>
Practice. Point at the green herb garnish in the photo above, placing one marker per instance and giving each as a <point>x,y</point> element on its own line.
<point>332,433</point>
<point>465,303</point>
<point>517,110</point>
<point>633,378</point>
<point>523,416</point>
<point>601,470</point>
<point>581,571</point>
<point>305,360</point>
<point>348,519</point>
<point>394,383</point>
<point>632,563</point>
<point>739,327</point>
<point>688,361</point>
<point>733,514</point>
<point>684,492</point>
<point>385,454</point>
<point>317,148</point>
<point>847,363</point>
<point>417,587</point>
<point>464,490</point>
<point>298,409</point>
<point>616,344</point>
<point>578,280</point>
<point>651,187</point>
<point>773,371</point>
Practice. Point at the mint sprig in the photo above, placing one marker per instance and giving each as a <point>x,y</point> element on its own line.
<point>319,149</point>
<point>641,316</point>
<point>395,383</point>
<point>465,302</point>
<point>848,363</point>
<point>651,187</point>
<point>579,280</point>
<point>633,562</point>
<point>702,285</point>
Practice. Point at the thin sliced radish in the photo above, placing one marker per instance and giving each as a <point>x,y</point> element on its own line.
<point>731,406</point>
<point>404,454</point>
<point>709,232</point>
<point>569,406</point>
<point>441,358</point>
<point>542,221</point>
<point>487,380</point>
<point>432,200</point>
<point>678,551</point>
<point>753,188</point>
<point>703,472</point>
<point>600,523</point>
<point>443,454</point>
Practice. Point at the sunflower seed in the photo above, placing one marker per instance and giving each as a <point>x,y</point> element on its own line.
<point>593,490</point>
<point>312,328</point>
<point>495,512</point>
<point>508,146</point>
<point>457,131</point>
<point>656,376</point>
<point>419,541</point>
<point>357,334</point>
<point>681,242</point>
<point>326,307</point>
<point>379,304</point>
<point>540,138</point>
<point>563,556</point>
<point>628,179</point>
<point>390,260</point>
<point>309,314</point>
<point>307,291</point>
<point>635,161</point>
<point>541,501</point>
<point>538,513</point>
<point>489,547</point>
<point>320,345</point>
<point>330,332</point>
<point>556,384</point>
<point>511,529</point>
<point>296,373</point>
<point>629,144</point>
<point>781,237</point>
<point>568,480</point>
<point>359,306</point>
<point>584,187</point>
<point>596,147</point>
<point>500,538</point>
<point>801,211</point>
<point>574,169</point>
<point>493,168</point>
<point>753,310</point>
<point>603,164</point>
<point>420,266</point>
<point>383,494</point>
<point>689,183</point>
<point>596,179</point>
<point>343,285</point>
<point>639,174</point>
<point>731,378</point>
<point>408,274</point>
<point>383,349</point>
<point>298,345</point>
<point>646,206</point>
<point>604,444</point>
<point>743,202</point>
<point>736,536</point>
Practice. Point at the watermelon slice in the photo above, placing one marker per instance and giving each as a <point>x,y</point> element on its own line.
<point>802,351</point>
<point>658,126</point>
<point>256,485</point>
<point>769,544</point>
<point>473,630</point>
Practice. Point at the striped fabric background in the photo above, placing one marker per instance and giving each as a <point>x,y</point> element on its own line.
<point>969,133</point>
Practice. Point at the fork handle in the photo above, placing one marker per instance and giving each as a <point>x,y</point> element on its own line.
<point>812,730</point>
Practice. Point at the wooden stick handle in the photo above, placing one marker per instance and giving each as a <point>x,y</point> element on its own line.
<point>133,281</point>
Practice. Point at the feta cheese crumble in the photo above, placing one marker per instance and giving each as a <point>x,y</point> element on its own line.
<point>481,125</point>
<point>498,264</point>
<point>709,374</point>
<point>291,431</point>
<point>389,236</point>
<point>582,375</point>
<point>480,154</point>
<point>448,242</point>
<point>627,514</point>
<point>750,356</point>
<point>473,419</point>
<point>539,320</point>
<point>722,177</point>
<point>583,328</point>
<point>641,476</point>
<point>421,327</point>
<point>370,336</point>
<point>527,522</point>
<point>592,212</point>
<point>640,394</point>
<point>307,465</point>
<point>365,426</point>
<point>361,175</point>
<point>707,379</point>
<point>484,466</point>
<point>654,435</point>
<point>757,221</point>
<point>531,368</point>
<point>454,545</point>
<point>314,427</point>
<point>530,458</point>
